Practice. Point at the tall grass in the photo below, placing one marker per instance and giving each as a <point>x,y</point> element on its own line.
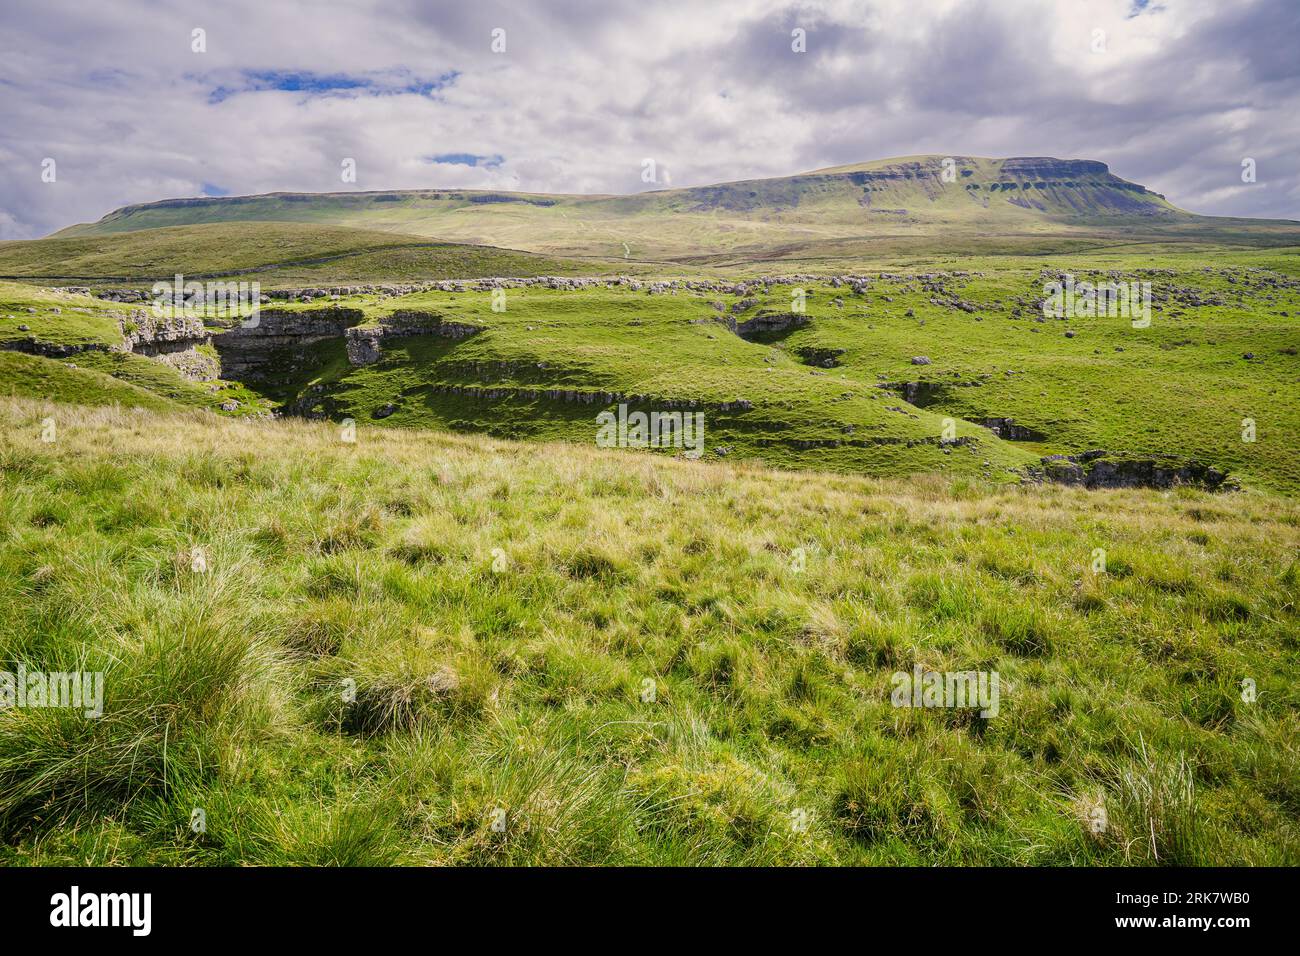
<point>646,676</point>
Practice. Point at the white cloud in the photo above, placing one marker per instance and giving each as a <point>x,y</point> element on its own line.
<point>585,91</point>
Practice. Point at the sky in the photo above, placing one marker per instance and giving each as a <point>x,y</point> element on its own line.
<point>131,104</point>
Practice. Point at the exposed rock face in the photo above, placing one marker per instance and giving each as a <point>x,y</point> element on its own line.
<point>1045,167</point>
<point>825,358</point>
<point>278,339</point>
<point>1104,469</point>
<point>317,405</point>
<point>172,339</point>
<point>168,338</point>
<point>363,343</point>
<point>926,392</point>
<point>363,346</point>
<point>1007,428</point>
<point>147,333</point>
<point>34,346</point>
<point>193,364</point>
<point>770,323</point>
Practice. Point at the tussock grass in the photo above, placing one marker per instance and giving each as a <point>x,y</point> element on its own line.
<point>434,649</point>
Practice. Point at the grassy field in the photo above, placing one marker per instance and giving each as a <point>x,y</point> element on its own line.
<point>1182,385</point>
<point>839,391</point>
<point>272,253</point>
<point>406,611</point>
<point>614,657</point>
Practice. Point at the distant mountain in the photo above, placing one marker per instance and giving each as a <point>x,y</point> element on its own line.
<point>808,213</point>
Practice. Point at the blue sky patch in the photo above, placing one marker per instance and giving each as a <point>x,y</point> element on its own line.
<point>466,159</point>
<point>334,84</point>
<point>1143,6</point>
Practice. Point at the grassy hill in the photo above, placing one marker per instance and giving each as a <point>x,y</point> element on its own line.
<point>92,369</point>
<point>1026,202</point>
<point>837,390</point>
<point>274,254</point>
<point>395,643</point>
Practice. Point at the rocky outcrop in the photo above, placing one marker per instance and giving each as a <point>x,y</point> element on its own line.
<point>1047,167</point>
<point>317,403</point>
<point>1104,469</point>
<point>858,284</point>
<point>147,333</point>
<point>1007,429</point>
<point>363,342</point>
<point>821,357</point>
<point>767,324</point>
<point>925,392</point>
<point>192,364</point>
<point>278,338</point>
<point>172,339</point>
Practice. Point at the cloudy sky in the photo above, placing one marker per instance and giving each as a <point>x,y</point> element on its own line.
<point>132,105</point>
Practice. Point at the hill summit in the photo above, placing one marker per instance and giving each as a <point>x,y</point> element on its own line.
<point>809,215</point>
<point>1052,186</point>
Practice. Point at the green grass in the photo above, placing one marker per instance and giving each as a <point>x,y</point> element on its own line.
<point>624,342</point>
<point>31,376</point>
<point>1181,386</point>
<point>498,609</point>
<point>55,316</point>
<point>116,378</point>
<point>161,379</point>
<point>272,253</point>
<point>95,371</point>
